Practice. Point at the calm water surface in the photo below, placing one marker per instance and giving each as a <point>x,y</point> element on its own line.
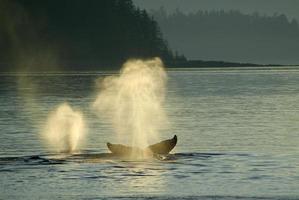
<point>238,134</point>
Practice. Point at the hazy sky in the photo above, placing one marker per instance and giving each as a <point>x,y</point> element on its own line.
<point>288,7</point>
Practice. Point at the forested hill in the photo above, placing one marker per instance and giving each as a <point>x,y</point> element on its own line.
<point>231,36</point>
<point>76,34</point>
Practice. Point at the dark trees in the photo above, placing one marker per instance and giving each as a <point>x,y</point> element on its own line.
<point>77,33</point>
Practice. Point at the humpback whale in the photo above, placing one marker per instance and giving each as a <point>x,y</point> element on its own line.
<point>163,147</point>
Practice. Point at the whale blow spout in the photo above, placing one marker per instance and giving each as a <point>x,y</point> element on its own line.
<point>65,129</point>
<point>133,102</point>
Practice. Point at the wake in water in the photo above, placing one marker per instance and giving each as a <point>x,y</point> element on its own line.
<point>65,129</point>
<point>133,101</point>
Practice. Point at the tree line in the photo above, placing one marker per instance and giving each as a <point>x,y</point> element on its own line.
<point>77,34</point>
<point>231,35</point>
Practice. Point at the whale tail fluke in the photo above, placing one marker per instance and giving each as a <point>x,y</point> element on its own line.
<point>163,147</point>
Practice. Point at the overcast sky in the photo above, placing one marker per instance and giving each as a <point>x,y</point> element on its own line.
<point>288,7</point>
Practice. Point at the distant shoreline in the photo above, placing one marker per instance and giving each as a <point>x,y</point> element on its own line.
<point>176,65</point>
<point>217,64</point>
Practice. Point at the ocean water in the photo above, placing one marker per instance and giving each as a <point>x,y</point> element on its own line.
<point>238,138</point>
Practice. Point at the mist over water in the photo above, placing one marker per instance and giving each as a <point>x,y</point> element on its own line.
<point>65,129</point>
<point>133,101</point>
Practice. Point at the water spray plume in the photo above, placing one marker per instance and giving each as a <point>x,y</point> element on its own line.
<point>133,101</point>
<point>65,129</point>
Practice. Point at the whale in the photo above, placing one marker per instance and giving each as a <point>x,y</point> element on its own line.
<point>162,148</point>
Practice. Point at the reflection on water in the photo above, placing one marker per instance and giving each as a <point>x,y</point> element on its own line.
<point>237,137</point>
